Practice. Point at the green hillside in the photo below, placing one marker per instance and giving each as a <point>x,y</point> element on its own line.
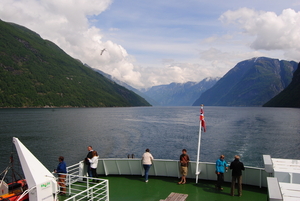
<point>37,73</point>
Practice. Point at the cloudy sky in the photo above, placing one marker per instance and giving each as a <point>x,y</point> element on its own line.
<point>153,42</point>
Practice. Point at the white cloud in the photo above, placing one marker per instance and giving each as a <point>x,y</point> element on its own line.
<point>66,24</point>
<point>158,42</point>
<point>179,72</point>
<point>271,31</point>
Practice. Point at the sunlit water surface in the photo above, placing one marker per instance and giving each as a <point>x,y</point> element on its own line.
<point>117,132</point>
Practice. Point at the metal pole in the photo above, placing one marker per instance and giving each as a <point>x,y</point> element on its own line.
<point>199,143</point>
<point>198,153</point>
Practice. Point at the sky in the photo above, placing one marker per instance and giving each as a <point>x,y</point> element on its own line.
<point>157,42</point>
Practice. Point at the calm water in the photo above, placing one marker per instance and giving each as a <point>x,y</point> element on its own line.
<point>116,132</point>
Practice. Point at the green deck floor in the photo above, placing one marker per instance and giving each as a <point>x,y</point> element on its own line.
<point>134,188</point>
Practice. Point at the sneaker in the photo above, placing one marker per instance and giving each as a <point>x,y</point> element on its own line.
<point>146,181</point>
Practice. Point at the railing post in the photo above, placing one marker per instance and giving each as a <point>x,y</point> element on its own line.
<point>260,184</point>
<point>87,186</point>
<point>107,190</point>
<point>69,184</point>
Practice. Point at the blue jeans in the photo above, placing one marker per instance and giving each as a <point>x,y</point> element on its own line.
<point>147,168</point>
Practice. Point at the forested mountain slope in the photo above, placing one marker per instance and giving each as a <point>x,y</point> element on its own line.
<point>37,73</point>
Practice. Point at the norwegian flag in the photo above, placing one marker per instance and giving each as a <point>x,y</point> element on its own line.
<point>203,124</point>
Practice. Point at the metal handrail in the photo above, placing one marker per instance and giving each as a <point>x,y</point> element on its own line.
<point>82,187</point>
<point>162,167</point>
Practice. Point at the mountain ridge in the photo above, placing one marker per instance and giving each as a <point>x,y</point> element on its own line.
<point>290,96</point>
<point>37,73</point>
<point>251,82</point>
<point>179,94</point>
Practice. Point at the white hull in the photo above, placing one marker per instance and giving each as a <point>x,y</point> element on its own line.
<point>41,182</point>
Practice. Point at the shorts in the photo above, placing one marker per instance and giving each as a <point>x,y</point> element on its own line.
<point>183,170</point>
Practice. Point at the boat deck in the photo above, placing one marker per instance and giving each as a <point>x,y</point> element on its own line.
<point>134,188</point>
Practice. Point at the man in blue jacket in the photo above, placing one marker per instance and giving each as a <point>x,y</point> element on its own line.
<point>221,165</point>
<point>61,170</point>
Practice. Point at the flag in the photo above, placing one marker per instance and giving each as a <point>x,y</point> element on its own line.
<point>203,123</point>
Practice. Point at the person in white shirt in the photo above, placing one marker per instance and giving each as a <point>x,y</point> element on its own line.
<point>94,163</point>
<point>147,162</point>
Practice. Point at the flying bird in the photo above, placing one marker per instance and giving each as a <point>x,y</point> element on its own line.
<point>102,51</point>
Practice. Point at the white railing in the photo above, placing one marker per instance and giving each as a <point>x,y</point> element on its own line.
<point>74,169</point>
<point>85,188</point>
<point>170,168</point>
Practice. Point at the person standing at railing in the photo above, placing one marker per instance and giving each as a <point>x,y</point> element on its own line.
<point>87,162</point>
<point>221,165</point>
<point>94,163</point>
<point>147,162</point>
<point>237,166</point>
<point>61,170</point>
<point>184,164</point>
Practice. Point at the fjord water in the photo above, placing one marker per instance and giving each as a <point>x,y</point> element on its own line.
<point>117,132</point>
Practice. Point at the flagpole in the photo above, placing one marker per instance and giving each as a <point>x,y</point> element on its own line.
<point>199,143</point>
<point>198,153</point>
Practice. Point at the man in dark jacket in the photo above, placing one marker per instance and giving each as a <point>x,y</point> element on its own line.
<point>237,168</point>
<point>89,155</point>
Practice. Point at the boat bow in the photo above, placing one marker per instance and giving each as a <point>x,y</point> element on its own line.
<point>41,182</point>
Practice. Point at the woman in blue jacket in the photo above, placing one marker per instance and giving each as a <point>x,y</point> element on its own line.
<point>221,165</point>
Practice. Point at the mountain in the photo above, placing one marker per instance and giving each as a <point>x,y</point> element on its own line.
<point>251,82</point>
<point>37,73</point>
<point>290,96</point>
<point>127,86</point>
<point>179,94</point>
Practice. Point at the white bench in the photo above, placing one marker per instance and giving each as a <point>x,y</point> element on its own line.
<point>274,189</point>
